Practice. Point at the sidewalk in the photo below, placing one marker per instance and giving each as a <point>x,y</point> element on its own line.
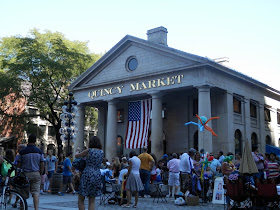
<point>70,202</point>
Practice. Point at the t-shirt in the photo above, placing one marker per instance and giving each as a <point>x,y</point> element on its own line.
<point>51,162</point>
<point>145,161</point>
<point>273,168</point>
<point>30,158</point>
<point>107,173</point>
<point>214,164</point>
<point>158,171</point>
<point>122,172</point>
<point>221,159</point>
<point>66,171</point>
<point>174,165</point>
<point>186,163</point>
<point>258,160</point>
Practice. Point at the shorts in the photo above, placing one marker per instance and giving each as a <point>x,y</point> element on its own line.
<point>67,179</point>
<point>50,174</point>
<point>34,179</point>
<point>185,182</point>
<point>173,179</point>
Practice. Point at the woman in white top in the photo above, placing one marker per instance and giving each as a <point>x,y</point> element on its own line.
<point>133,182</point>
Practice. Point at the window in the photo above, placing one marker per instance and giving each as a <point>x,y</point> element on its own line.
<point>268,140</point>
<point>278,116</point>
<point>131,63</point>
<point>32,128</point>
<point>42,129</point>
<point>253,110</point>
<point>51,131</point>
<point>236,105</point>
<point>267,117</point>
<point>195,107</point>
<point>237,141</point>
<point>254,139</point>
<point>32,111</point>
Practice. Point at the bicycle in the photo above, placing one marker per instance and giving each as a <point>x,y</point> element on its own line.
<point>18,181</point>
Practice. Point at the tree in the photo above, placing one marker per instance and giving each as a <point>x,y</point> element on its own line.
<point>46,63</point>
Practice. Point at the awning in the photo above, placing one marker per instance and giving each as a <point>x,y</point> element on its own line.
<point>6,139</point>
<point>270,149</point>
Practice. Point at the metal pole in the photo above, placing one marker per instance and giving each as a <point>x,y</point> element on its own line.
<point>69,134</point>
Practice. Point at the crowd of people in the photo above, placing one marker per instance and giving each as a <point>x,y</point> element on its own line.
<point>183,173</point>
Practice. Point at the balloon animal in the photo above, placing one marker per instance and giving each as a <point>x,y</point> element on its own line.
<point>203,123</point>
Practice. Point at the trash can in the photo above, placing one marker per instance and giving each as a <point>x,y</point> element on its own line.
<point>57,180</point>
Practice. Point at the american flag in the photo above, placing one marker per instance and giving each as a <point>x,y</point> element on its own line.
<point>138,124</point>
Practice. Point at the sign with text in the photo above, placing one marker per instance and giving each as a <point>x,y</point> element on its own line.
<point>166,81</point>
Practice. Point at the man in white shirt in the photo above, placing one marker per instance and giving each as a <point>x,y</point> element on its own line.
<point>186,167</point>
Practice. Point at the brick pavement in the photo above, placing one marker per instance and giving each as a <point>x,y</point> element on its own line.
<point>70,202</point>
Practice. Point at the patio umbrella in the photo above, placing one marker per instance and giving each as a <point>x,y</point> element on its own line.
<point>248,165</point>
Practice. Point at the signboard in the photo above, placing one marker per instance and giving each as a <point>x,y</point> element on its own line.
<point>218,193</point>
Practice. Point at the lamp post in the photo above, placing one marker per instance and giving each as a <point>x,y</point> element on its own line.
<point>68,122</point>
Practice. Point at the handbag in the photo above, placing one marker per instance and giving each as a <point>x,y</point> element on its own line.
<point>4,169</point>
<point>79,164</point>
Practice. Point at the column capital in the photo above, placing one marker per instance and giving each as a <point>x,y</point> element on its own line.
<point>156,94</point>
<point>204,88</point>
<point>112,102</point>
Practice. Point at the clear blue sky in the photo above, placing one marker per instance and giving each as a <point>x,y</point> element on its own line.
<point>247,32</point>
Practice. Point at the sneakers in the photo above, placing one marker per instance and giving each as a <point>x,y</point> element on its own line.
<point>60,193</point>
<point>42,192</point>
<point>75,192</point>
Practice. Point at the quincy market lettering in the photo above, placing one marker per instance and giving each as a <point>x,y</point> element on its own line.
<point>166,81</point>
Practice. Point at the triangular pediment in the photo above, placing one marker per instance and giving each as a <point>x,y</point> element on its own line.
<point>152,59</point>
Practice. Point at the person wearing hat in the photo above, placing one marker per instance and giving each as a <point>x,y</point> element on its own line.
<point>186,169</point>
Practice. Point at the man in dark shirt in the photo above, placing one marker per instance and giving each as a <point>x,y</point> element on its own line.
<point>31,160</point>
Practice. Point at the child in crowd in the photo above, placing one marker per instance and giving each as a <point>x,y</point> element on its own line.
<point>108,173</point>
<point>123,173</point>
<point>158,172</point>
<point>208,173</point>
<point>124,163</point>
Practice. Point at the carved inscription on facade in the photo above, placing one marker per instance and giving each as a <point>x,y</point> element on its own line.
<point>166,81</point>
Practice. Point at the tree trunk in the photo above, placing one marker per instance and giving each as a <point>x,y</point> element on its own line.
<point>58,140</point>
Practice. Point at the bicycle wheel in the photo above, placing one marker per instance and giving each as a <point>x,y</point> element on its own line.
<point>16,198</point>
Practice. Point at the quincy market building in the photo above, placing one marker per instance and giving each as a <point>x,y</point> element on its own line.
<point>180,85</point>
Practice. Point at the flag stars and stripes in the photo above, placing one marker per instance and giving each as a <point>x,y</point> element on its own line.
<point>138,124</point>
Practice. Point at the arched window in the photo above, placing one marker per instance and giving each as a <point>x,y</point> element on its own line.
<point>238,141</point>
<point>254,139</point>
<point>195,140</point>
<point>268,140</point>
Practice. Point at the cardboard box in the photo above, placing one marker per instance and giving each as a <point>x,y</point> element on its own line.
<point>192,200</point>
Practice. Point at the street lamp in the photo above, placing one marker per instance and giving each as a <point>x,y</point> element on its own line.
<point>68,122</point>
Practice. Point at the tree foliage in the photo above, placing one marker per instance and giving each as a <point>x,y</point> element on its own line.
<point>42,66</point>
